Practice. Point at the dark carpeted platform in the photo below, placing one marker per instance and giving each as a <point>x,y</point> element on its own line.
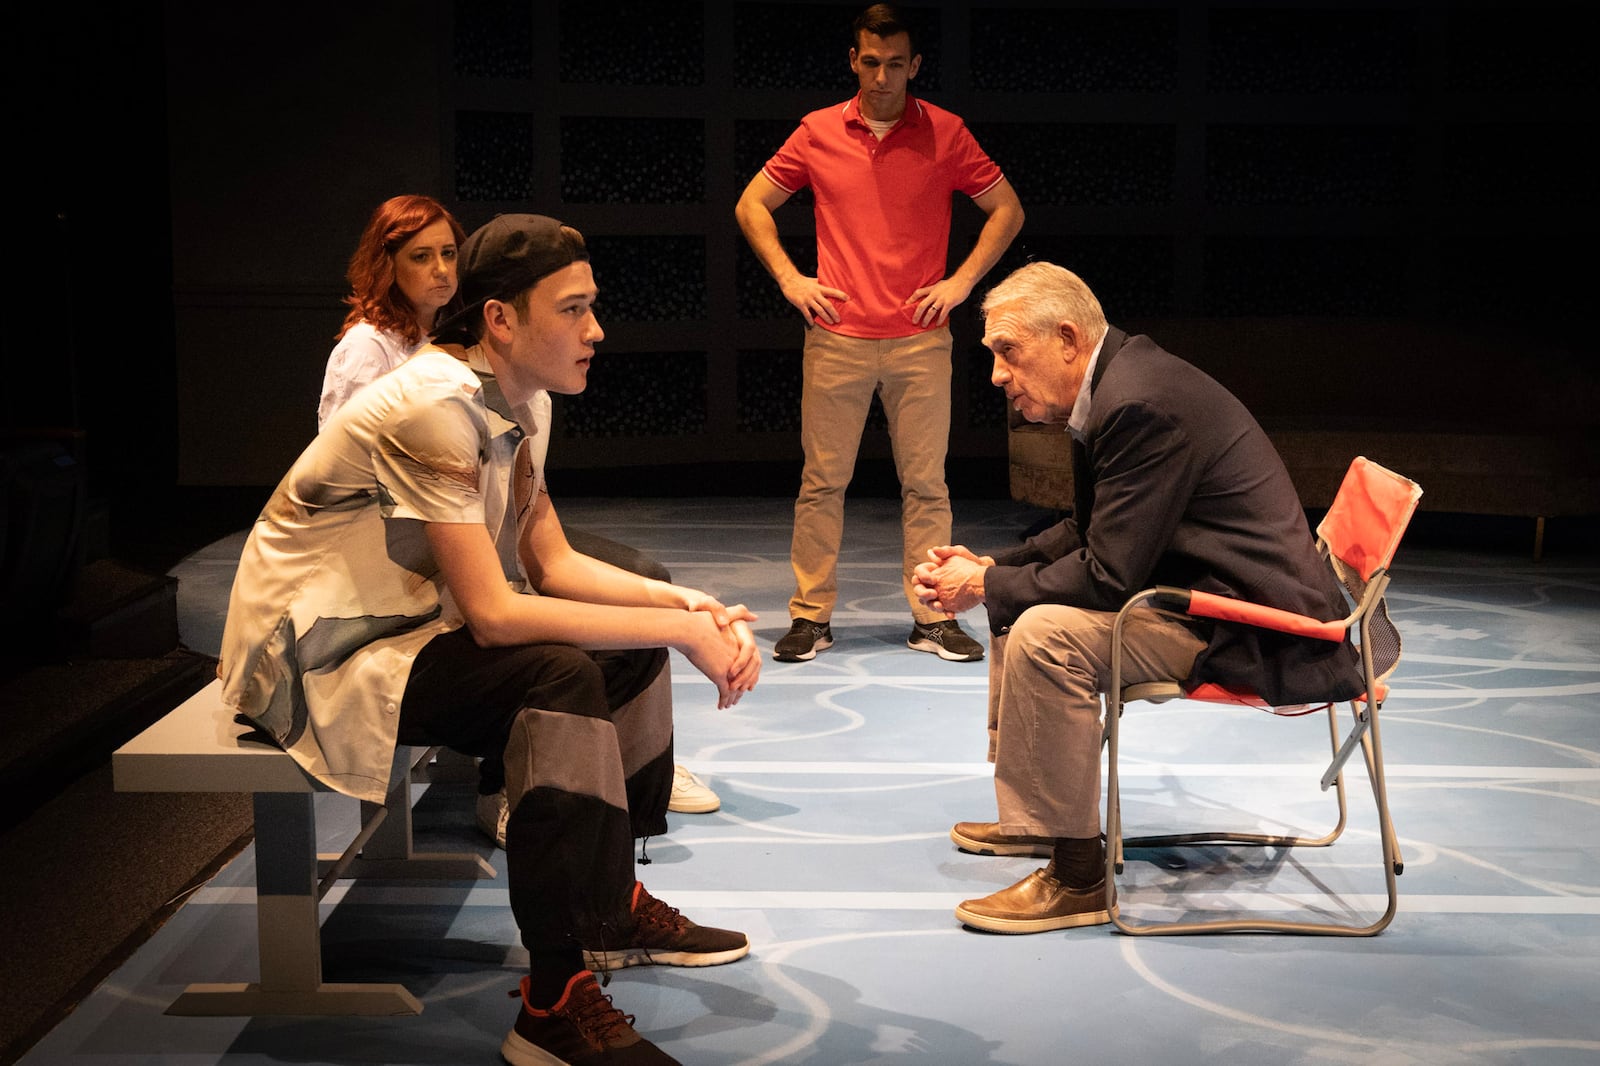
<point>90,873</point>
<point>88,878</point>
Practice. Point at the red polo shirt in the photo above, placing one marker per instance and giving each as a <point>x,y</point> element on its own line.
<point>883,207</point>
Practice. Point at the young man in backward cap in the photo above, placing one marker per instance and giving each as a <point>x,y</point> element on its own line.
<point>409,583</point>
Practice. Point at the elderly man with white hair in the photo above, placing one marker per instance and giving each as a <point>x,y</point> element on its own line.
<point>1174,484</point>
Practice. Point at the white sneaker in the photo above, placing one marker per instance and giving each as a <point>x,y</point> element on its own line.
<point>690,794</point>
<point>492,815</point>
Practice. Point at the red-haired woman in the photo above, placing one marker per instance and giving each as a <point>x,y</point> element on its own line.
<point>403,273</point>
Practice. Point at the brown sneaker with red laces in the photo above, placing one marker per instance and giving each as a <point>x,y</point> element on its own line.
<point>663,937</point>
<point>582,1028</point>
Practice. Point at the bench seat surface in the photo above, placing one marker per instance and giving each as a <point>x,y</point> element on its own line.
<point>198,747</point>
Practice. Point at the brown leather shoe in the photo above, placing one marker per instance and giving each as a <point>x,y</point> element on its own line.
<point>1037,904</point>
<point>985,838</point>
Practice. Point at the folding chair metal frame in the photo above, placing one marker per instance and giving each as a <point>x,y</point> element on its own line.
<point>1371,500</point>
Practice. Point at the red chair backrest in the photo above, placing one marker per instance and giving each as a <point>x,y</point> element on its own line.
<point>1368,516</point>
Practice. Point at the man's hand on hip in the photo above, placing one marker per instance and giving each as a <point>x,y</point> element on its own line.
<point>935,302</point>
<point>813,299</point>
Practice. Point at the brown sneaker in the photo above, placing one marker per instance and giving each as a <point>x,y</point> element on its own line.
<point>1037,904</point>
<point>985,838</point>
<point>946,639</point>
<point>804,639</point>
<point>582,1028</point>
<point>663,937</point>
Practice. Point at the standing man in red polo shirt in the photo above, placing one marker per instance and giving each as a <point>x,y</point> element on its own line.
<point>882,167</point>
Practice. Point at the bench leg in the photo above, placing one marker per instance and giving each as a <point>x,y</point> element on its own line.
<point>448,766</point>
<point>389,852</point>
<point>289,932</point>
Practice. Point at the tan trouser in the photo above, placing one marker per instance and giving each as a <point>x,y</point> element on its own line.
<point>912,377</point>
<point>1045,680</point>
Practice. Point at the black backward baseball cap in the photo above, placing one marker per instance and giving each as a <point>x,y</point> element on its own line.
<point>503,257</point>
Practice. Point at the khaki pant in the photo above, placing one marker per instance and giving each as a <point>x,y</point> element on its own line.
<point>1045,677</point>
<point>912,378</point>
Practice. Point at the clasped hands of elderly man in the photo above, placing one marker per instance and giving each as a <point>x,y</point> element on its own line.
<point>952,580</point>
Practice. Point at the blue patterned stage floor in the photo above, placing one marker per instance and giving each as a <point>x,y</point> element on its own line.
<point>840,779</point>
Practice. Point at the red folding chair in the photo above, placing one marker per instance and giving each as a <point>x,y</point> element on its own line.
<point>1358,537</point>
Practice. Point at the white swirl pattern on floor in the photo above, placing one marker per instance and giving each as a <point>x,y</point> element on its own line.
<point>841,777</point>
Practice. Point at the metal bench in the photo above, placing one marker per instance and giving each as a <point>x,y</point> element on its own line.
<point>198,747</point>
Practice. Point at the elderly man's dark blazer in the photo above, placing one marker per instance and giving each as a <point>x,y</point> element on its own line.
<point>1176,484</point>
